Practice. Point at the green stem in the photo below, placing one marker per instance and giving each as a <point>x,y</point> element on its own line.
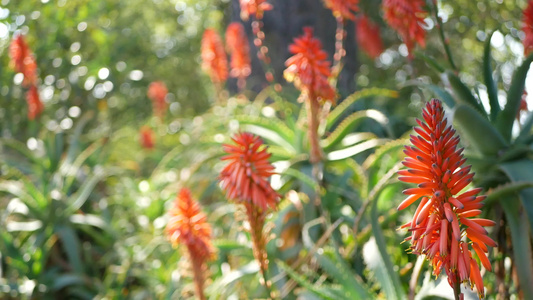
<point>457,289</point>
<point>442,37</point>
<point>339,51</point>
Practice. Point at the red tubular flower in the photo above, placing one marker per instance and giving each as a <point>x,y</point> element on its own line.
<point>147,138</point>
<point>254,8</point>
<point>527,27</point>
<point>237,44</point>
<point>245,178</point>
<point>188,226</point>
<point>157,91</point>
<point>35,106</point>
<point>23,60</point>
<point>407,18</point>
<point>368,36</point>
<point>343,8</point>
<point>443,223</point>
<point>308,67</point>
<point>214,57</point>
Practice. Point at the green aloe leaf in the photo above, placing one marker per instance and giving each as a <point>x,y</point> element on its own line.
<point>492,88</point>
<point>441,93</point>
<point>431,61</point>
<point>350,122</point>
<point>272,136</point>
<point>71,246</point>
<point>74,139</point>
<point>463,93</point>
<point>382,264</point>
<point>340,109</point>
<point>477,130</point>
<point>505,190</point>
<point>356,149</point>
<point>274,125</point>
<point>519,211</point>
<point>65,280</point>
<point>85,191</point>
<point>336,267</point>
<point>521,171</point>
<point>320,291</point>
<point>525,132</point>
<point>507,116</point>
<point>519,224</point>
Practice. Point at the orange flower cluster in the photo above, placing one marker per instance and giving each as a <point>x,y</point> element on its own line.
<point>528,28</point>
<point>239,48</point>
<point>188,226</point>
<point>443,225</point>
<point>245,178</point>
<point>308,67</point>
<point>407,18</point>
<point>157,92</point>
<point>254,8</point>
<point>147,138</point>
<point>368,36</point>
<point>343,8</point>
<point>24,62</point>
<point>214,57</point>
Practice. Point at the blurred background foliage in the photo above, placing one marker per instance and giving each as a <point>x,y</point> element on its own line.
<point>84,204</point>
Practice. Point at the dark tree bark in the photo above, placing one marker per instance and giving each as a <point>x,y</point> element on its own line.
<point>285,22</point>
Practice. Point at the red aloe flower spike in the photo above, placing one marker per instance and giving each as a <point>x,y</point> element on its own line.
<point>214,59</point>
<point>444,214</point>
<point>237,44</point>
<point>309,70</point>
<point>147,138</point>
<point>23,60</point>
<point>245,180</point>
<point>157,92</point>
<point>527,28</point>
<point>35,106</point>
<point>369,38</point>
<point>407,18</point>
<point>308,67</point>
<point>343,8</point>
<point>254,8</point>
<point>188,226</point>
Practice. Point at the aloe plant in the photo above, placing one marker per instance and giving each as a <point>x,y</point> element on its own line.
<point>500,155</point>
